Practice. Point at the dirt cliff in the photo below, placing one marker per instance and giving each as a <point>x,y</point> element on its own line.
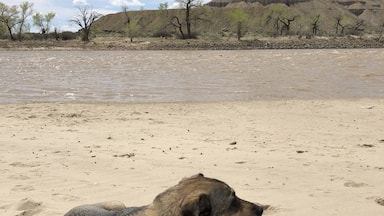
<point>356,7</point>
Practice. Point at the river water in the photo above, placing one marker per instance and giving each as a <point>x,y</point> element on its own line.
<point>194,76</point>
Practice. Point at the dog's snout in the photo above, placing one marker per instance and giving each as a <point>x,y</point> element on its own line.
<point>258,210</point>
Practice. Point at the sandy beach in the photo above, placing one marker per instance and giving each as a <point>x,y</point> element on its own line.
<point>302,157</point>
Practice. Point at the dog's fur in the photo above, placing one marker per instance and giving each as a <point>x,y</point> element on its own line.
<point>193,196</point>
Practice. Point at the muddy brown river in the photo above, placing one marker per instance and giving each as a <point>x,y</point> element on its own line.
<point>193,76</point>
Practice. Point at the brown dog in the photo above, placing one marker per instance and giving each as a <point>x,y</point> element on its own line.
<point>193,196</point>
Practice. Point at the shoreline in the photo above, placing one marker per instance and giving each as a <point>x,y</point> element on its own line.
<point>325,155</point>
<point>263,100</point>
<point>121,43</point>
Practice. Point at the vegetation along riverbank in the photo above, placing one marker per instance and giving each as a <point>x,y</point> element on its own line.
<point>219,24</point>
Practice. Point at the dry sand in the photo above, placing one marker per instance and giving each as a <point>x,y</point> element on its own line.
<point>304,158</point>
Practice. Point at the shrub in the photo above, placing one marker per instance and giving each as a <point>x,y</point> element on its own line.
<point>68,35</point>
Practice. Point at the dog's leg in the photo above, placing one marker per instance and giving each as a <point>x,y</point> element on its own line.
<point>99,209</point>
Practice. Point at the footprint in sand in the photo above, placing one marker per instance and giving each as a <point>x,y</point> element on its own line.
<point>354,184</point>
<point>22,188</point>
<point>65,197</point>
<point>19,164</point>
<point>29,207</point>
<point>19,177</point>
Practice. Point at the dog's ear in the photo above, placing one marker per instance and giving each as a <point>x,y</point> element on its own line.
<point>198,207</point>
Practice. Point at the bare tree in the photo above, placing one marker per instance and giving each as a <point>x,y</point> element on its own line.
<point>273,15</point>
<point>338,24</point>
<point>175,21</point>
<point>358,28</point>
<point>26,11</point>
<point>286,24</point>
<point>125,10</point>
<point>9,17</point>
<point>381,31</point>
<point>187,5</point>
<point>315,25</point>
<point>85,20</point>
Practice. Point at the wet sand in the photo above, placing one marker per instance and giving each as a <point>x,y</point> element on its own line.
<point>302,157</point>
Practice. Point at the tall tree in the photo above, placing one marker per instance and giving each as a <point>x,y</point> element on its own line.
<point>3,29</point>
<point>85,20</point>
<point>315,25</point>
<point>273,15</point>
<point>43,22</point>
<point>160,30</point>
<point>286,21</point>
<point>25,12</point>
<point>187,5</point>
<point>338,24</point>
<point>381,31</point>
<point>134,29</point>
<point>125,10</point>
<point>163,6</point>
<point>9,16</point>
<point>239,17</point>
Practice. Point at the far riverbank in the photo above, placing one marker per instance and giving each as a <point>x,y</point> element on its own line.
<point>122,43</point>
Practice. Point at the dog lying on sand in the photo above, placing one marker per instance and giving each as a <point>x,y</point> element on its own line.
<point>193,196</point>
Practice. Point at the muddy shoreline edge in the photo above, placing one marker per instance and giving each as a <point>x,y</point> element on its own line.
<point>102,43</point>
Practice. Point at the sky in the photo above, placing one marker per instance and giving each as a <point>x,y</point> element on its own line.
<point>65,10</point>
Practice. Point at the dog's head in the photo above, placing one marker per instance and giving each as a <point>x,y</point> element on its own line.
<point>201,196</point>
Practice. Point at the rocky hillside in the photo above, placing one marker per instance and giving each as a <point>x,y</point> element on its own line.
<point>331,17</point>
<point>225,3</point>
<point>356,7</point>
